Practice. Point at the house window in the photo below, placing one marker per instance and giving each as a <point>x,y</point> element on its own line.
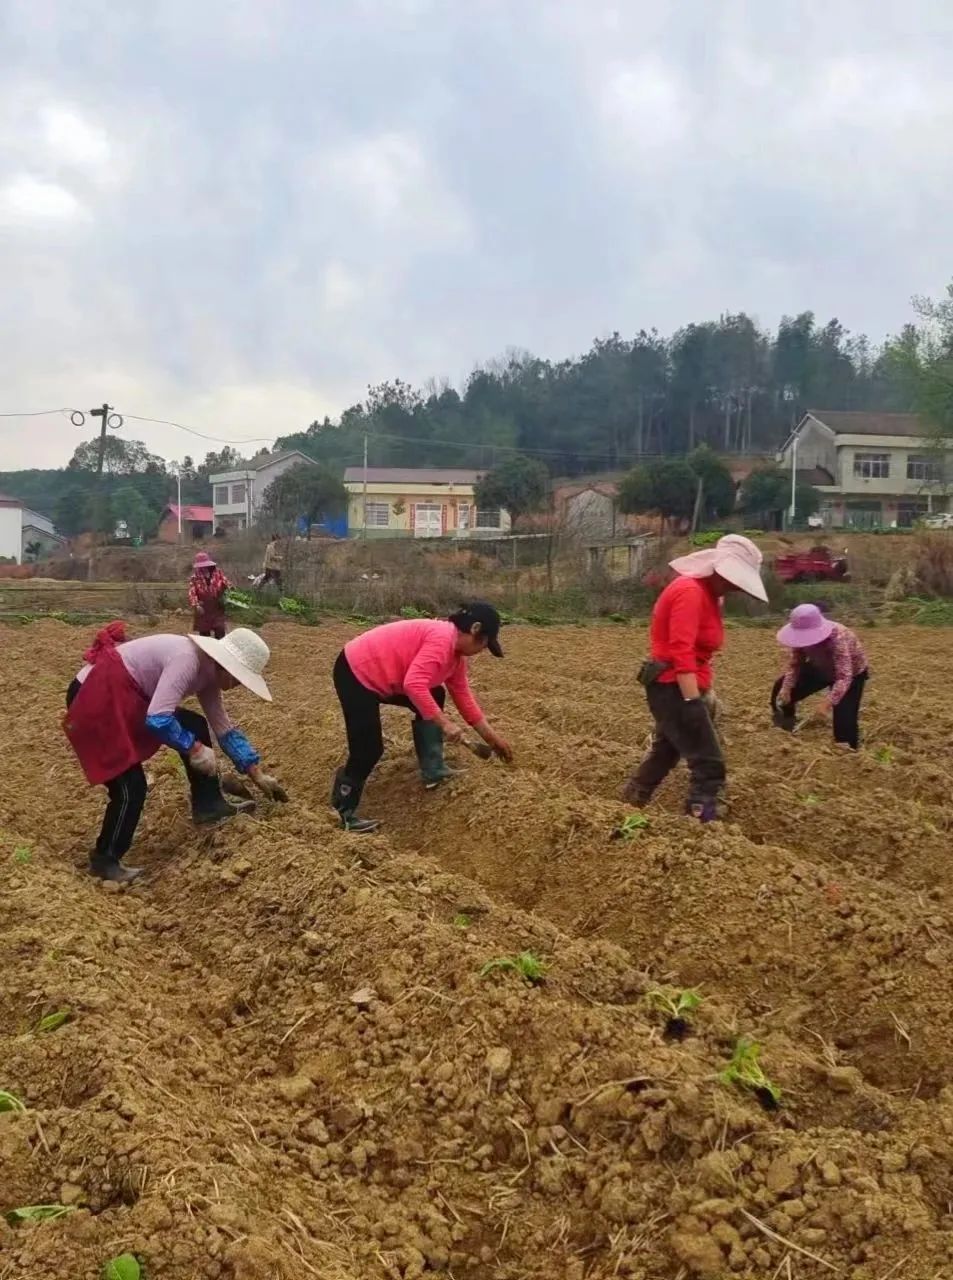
<point>463,515</point>
<point>488,519</point>
<point>872,466</point>
<point>377,515</point>
<point>239,492</point>
<point>922,468</point>
<point>221,495</point>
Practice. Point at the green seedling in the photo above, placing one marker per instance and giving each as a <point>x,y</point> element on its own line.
<point>884,755</point>
<point>630,828</point>
<point>38,1213</point>
<point>125,1267</point>
<point>528,965</point>
<point>744,1070</point>
<point>53,1021</point>
<point>22,854</point>
<point>676,1008</point>
<point>811,800</point>
<point>462,921</point>
<point>10,1102</point>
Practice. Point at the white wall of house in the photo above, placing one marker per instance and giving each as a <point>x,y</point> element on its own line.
<point>267,475</point>
<point>11,533</point>
<point>237,495</point>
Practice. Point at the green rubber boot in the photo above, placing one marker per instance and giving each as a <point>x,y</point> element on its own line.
<point>428,744</point>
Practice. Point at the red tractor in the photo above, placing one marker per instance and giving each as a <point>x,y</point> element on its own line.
<point>816,565</point>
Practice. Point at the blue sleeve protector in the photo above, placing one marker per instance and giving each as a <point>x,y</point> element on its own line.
<point>169,731</point>
<point>239,750</point>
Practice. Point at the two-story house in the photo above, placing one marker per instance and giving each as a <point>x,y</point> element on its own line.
<point>237,494</point>
<point>873,470</point>
<point>418,502</point>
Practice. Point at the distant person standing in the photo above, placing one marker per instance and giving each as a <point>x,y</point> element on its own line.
<point>273,562</point>
<point>207,587</point>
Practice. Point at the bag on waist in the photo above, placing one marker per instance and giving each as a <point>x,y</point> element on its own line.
<point>650,671</point>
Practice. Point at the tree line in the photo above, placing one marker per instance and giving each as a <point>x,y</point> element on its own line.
<point>726,384</point>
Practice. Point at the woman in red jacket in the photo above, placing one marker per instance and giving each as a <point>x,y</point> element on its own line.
<point>686,631</point>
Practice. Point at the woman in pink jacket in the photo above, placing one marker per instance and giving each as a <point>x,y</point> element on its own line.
<point>410,664</point>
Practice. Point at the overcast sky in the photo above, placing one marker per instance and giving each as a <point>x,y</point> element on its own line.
<point>237,213</point>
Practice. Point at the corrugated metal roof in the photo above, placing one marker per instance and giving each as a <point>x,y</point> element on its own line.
<point>850,422</point>
<point>411,475</point>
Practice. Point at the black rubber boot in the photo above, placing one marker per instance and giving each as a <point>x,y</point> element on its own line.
<point>634,794</point>
<point>208,803</point>
<point>106,866</point>
<point>703,810</point>
<point>345,797</point>
<point>428,744</point>
<point>786,720</point>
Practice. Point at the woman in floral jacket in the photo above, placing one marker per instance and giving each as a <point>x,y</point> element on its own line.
<point>824,655</point>
<point>207,587</point>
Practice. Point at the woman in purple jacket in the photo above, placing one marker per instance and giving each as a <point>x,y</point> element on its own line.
<point>124,705</point>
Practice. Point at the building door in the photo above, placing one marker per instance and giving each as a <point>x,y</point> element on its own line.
<point>428,520</point>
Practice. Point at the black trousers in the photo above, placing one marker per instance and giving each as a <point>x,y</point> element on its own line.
<point>362,718</point>
<point>846,714</point>
<point>272,575</point>
<point>682,730</point>
<point>127,792</point>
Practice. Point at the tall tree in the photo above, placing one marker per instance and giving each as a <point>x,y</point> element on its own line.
<point>519,485</point>
<point>308,491</point>
<point>666,488</point>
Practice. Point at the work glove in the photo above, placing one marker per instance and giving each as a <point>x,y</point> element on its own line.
<point>202,759</point>
<point>269,786</point>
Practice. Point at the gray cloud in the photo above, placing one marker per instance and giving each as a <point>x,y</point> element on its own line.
<point>238,214</point>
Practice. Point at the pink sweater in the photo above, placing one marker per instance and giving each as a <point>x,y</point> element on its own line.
<point>168,669</point>
<point>411,658</point>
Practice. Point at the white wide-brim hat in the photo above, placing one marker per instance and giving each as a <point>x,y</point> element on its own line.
<point>733,557</point>
<point>243,654</point>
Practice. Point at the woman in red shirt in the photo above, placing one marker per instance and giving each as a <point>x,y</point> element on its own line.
<point>685,632</point>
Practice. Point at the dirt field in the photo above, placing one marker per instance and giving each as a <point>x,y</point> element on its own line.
<point>282,1061</point>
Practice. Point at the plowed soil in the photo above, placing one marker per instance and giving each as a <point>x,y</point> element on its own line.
<point>281,1059</point>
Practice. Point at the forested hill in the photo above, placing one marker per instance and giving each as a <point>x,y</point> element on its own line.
<point>726,383</point>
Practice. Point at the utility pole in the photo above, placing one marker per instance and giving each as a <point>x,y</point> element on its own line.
<point>98,511</point>
<point>364,516</point>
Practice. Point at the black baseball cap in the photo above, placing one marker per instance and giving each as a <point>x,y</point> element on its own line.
<point>482,615</point>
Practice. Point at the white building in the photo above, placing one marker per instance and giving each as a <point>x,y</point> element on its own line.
<point>11,529</point>
<point>872,470</point>
<point>25,534</point>
<point>39,535</point>
<point>237,495</point>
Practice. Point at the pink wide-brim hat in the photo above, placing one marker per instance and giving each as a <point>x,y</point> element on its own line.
<point>203,561</point>
<point>733,557</point>
<point>805,628</point>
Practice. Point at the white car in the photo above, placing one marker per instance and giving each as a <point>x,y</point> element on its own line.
<point>939,520</point>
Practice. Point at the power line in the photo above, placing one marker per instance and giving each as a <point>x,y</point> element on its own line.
<point>603,454</point>
<point>164,422</point>
<point>38,413</point>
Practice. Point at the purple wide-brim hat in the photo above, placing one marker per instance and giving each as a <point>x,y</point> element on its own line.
<point>806,627</point>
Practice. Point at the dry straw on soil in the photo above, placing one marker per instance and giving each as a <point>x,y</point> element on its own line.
<point>282,1061</point>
